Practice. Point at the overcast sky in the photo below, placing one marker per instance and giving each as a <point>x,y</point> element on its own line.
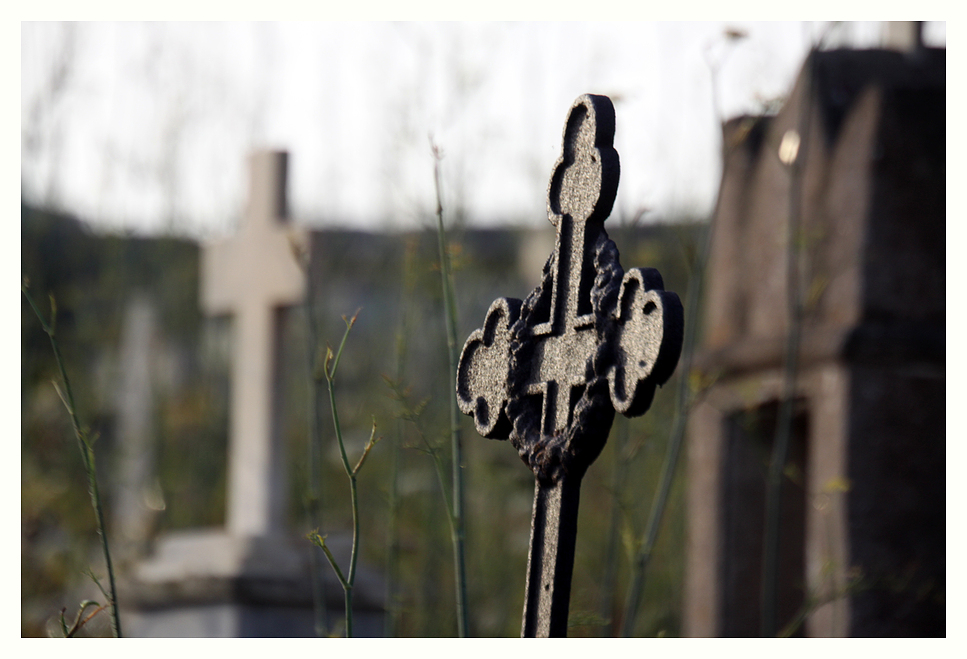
<point>145,127</point>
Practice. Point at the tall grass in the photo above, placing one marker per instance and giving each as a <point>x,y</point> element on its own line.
<point>314,443</point>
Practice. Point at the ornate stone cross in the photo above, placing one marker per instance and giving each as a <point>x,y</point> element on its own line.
<point>549,372</point>
<point>252,276</point>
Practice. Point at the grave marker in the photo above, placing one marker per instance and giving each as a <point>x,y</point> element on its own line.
<point>251,276</point>
<point>252,578</point>
<point>549,372</point>
<point>135,467</point>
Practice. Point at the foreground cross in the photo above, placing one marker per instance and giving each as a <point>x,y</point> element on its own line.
<point>252,276</point>
<point>550,372</point>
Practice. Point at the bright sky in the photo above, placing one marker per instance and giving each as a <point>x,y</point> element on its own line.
<point>145,127</point>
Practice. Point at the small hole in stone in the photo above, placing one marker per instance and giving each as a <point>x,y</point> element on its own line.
<point>642,363</point>
<point>547,586</point>
<point>651,306</point>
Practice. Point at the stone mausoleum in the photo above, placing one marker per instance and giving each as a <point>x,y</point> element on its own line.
<point>848,181</point>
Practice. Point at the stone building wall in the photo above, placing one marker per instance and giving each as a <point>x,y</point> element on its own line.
<point>870,378</point>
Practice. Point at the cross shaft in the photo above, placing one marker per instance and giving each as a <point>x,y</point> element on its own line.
<point>564,344</point>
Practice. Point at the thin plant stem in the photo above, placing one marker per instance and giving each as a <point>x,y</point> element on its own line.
<point>794,256</point>
<point>314,503</point>
<point>618,471</point>
<point>411,413</point>
<point>684,401</point>
<point>771,533</point>
<point>441,478</point>
<point>347,586</point>
<point>450,317</point>
<point>78,621</point>
<point>331,364</point>
<point>393,612</point>
<point>619,467</point>
<point>86,448</point>
<point>684,397</point>
<point>392,619</point>
<point>816,600</point>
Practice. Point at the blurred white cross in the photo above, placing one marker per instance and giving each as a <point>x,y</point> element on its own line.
<point>252,276</point>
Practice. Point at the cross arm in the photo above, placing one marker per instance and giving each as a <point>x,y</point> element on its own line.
<point>482,371</point>
<point>648,327</point>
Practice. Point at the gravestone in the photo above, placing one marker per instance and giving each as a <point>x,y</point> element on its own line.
<point>858,151</point>
<point>251,578</point>
<point>252,276</point>
<point>134,502</point>
<point>549,372</point>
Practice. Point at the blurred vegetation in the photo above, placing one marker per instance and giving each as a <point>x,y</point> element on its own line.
<point>93,277</point>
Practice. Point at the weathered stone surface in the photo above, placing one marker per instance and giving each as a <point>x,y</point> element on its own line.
<point>209,583</point>
<point>870,357</point>
<point>549,372</point>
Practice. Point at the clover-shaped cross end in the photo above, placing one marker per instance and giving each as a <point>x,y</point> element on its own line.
<point>648,340</point>
<point>483,371</point>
